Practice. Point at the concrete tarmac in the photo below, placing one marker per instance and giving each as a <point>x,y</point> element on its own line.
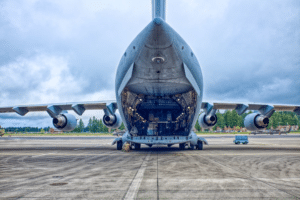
<point>91,168</point>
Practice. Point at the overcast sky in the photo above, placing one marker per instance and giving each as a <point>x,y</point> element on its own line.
<point>54,51</point>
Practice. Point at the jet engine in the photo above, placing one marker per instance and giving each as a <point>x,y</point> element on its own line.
<point>65,122</point>
<point>256,121</point>
<point>112,121</point>
<point>207,121</point>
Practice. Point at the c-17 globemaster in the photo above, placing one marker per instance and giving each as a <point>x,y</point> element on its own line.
<point>159,89</point>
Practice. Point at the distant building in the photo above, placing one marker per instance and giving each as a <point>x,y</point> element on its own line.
<point>55,131</point>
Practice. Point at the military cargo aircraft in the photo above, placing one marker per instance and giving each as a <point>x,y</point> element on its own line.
<point>159,90</point>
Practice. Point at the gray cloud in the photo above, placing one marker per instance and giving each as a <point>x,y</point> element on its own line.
<point>58,51</point>
<point>248,50</point>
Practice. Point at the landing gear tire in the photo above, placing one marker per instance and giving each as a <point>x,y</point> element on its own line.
<point>182,146</point>
<point>169,145</point>
<point>149,145</point>
<point>192,147</point>
<point>119,145</point>
<point>137,146</point>
<point>200,145</point>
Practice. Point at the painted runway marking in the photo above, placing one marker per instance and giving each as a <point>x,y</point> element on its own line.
<point>135,185</point>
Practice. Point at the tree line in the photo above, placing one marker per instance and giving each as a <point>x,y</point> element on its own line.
<point>231,119</point>
<point>94,126</point>
<point>27,129</point>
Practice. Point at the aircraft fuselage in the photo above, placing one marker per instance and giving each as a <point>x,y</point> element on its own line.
<point>159,84</point>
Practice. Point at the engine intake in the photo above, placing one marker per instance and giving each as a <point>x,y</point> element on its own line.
<point>207,121</point>
<point>256,121</point>
<point>65,122</point>
<point>112,121</point>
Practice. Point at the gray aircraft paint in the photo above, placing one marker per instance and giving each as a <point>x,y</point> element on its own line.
<point>159,36</point>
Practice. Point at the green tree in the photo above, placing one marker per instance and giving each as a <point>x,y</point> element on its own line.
<point>81,126</point>
<point>42,131</point>
<point>122,127</point>
<point>220,120</point>
<point>197,126</point>
<point>94,126</point>
<point>276,119</point>
<point>89,126</point>
<point>241,120</point>
<point>235,118</point>
<point>284,118</point>
<point>295,120</point>
<point>270,123</point>
<point>229,120</point>
<point>76,129</point>
<point>105,129</point>
<point>101,125</point>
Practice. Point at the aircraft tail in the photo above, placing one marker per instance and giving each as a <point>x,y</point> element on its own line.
<point>159,9</point>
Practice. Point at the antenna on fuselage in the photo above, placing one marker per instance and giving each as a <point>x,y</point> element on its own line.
<point>159,9</point>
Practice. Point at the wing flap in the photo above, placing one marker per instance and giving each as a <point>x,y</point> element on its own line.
<point>225,106</point>
<point>242,107</point>
<point>6,110</point>
<point>285,108</point>
<point>36,108</point>
<point>97,105</point>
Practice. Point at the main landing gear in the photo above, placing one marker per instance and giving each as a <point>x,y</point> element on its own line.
<point>119,145</point>
<point>137,146</point>
<point>182,146</point>
<point>199,145</point>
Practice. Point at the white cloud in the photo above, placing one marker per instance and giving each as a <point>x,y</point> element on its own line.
<point>41,79</point>
<point>58,51</point>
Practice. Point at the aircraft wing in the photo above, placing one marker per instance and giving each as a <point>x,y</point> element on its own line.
<point>242,107</point>
<point>56,108</point>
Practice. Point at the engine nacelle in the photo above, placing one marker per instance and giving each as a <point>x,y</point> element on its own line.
<point>112,121</point>
<point>65,122</point>
<point>255,121</point>
<point>207,121</point>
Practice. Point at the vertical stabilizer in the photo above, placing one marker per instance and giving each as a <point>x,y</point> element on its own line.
<point>159,9</point>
